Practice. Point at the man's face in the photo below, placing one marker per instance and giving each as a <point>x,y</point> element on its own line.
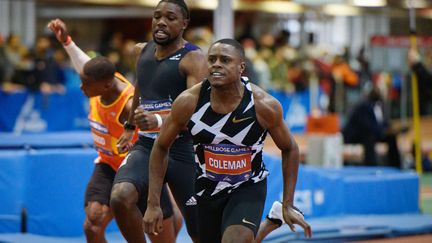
<point>168,23</point>
<point>91,87</point>
<point>225,64</point>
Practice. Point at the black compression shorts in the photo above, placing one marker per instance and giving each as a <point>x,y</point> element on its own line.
<point>180,177</point>
<point>243,206</point>
<point>100,184</point>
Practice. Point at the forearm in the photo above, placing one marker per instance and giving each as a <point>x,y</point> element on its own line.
<point>158,166</point>
<point>77,56</point>
<point>135,104</point>
<point>290,165</point>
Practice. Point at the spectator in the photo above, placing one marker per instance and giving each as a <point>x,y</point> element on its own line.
<point>345,80</point>
<point>424,78</point>
<point>46,69</point>
<point>367,125</point>
<point>4,62</point>
<point>20,71</point>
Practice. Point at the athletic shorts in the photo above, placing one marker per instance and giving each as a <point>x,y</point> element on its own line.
<point>180,176</point>
<point>244,206</point>
<point>100,184</point>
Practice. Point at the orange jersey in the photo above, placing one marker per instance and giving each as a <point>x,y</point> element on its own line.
<point>105,125</point>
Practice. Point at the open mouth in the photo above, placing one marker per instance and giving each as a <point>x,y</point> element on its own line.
<point>159,34</point>
<point>216,74</point>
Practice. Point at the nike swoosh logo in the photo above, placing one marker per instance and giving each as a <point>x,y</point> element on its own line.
<point>235,120</point>
<point>248,222</point>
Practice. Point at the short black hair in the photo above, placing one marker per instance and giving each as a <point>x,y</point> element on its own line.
<point>99,69</point>
<point>235,44</point>
<point>184,8</point>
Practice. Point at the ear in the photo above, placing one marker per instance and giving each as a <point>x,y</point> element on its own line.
<point>242,67</point>
<point>185,23</point>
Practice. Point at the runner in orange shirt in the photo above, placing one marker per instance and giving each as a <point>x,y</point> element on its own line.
<point>110,97</point>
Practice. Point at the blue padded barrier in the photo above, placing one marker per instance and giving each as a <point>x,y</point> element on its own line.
<point>50,184</point>
<point>349,190</point>
<point>73,139</point>
<point>12,181</point>
<point>11,107</point>
<point>56,182</point>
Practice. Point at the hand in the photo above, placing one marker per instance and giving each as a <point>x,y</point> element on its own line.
<point>292,216</point>
<point>153,219</point>
<point>59,28</point>
<point>124,143</point>
<point>145,120</point>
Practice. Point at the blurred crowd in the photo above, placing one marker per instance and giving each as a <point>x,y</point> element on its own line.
<point>45,67</point>
<point>272,63</point>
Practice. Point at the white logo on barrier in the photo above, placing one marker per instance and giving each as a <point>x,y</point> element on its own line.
<point>296,115</point>
<point>29,119</point>
<point>319,197</point>
<point>303,200</point>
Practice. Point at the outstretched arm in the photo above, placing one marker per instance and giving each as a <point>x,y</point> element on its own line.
<point>77,56</point>
<point>269,112</point>
<point>182,110</point>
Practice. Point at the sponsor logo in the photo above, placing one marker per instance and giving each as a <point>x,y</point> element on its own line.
<point>235,120</point>
<point>176,57</point>
<point>248,222</point>
<point>191,202</point>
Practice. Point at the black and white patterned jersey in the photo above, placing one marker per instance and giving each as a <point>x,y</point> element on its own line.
<point>228,147</point>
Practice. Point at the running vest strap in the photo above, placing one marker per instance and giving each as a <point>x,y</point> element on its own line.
<point>228,146</point>
<point>105,125</point>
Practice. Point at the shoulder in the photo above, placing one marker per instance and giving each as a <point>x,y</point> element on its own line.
<point>267,108</point>
<point>194,64</point>
<point>195,55</point>
<point>139,47</point>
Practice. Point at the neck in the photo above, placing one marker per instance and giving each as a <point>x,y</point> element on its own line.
<point>163,51</point>
<point>225,99</point>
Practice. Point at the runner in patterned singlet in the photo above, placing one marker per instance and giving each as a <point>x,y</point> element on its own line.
<point>166,67</point>
<point>228,118</point>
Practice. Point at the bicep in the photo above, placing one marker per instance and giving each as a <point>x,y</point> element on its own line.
<point>177,120</point>
<point>270,117</point>
<point>281,136</point>
<point>169,131</point>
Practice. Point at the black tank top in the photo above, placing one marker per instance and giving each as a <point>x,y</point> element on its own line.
<point>161,79</point>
